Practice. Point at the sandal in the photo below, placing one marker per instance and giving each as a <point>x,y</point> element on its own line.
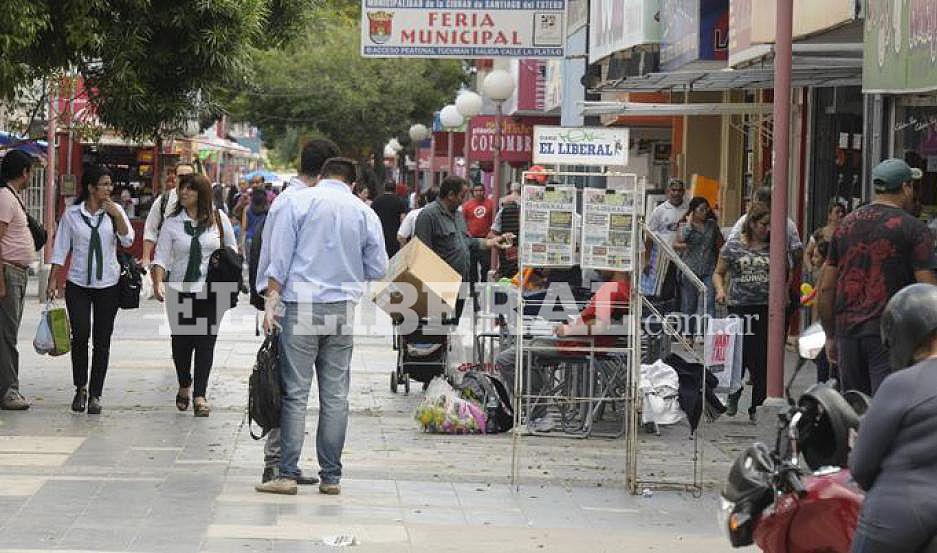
<point>182,402</point>
<point>201,407</point>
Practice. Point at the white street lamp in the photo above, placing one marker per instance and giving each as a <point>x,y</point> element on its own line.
<point>469,104</point>
<point>418,132</point>
<point>499,86</point>
<point>451,119</point>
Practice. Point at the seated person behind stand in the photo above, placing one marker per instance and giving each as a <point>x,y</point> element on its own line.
<point>608,303</point>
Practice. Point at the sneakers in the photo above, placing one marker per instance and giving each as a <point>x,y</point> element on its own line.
<point>330,489</point>
<point>752,418</point>
<point>14,401</point>
<point>543,424</point>
<point>281,486</point>
<point>304,480</point>
<point>732,406</point>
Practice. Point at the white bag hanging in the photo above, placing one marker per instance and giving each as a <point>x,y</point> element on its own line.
<point>722,351</point>
<point>44,343</point>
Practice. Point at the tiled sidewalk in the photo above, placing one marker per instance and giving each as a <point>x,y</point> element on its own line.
<point>143,477</point>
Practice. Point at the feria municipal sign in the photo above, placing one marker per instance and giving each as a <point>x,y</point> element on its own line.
<point>580,146</point>
<point>463,28</point>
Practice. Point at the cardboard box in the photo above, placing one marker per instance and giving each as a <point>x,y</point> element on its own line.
<point>417,269</point>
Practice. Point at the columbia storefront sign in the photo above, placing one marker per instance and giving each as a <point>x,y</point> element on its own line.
<point>463,28</point>
<point>580,146</point>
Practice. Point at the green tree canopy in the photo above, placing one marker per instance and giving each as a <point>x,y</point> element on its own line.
<point>151,65</point>
<point>320,85</point>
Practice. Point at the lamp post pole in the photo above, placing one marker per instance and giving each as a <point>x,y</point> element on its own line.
<point>451,154</point>
<point>778,293</point>
<point>496,161</point>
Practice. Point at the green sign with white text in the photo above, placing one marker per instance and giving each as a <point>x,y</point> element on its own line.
<point>900,46</point>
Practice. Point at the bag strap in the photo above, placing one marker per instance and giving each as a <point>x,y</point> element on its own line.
<point>220,228</point>
<point>18,199</point>
<point>163,202</point>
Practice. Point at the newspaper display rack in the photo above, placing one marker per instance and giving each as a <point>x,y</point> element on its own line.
<point>553,234</point>
<point>609,235</point>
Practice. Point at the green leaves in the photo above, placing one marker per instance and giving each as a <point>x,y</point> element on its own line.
<point>150,66</point>
<point>320,84</point>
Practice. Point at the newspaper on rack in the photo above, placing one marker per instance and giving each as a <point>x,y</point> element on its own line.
<point>608,229</point>
<point>547,239</point>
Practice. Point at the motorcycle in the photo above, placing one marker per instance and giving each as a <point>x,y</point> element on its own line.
<point>771,500</point>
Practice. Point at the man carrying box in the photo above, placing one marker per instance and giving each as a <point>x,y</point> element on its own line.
<point>441,228</point>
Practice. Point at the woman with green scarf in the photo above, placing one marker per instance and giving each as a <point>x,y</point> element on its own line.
<point>90,230</point>
<point>186,242</point>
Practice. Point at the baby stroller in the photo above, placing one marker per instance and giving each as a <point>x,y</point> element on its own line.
<point>421,355</point>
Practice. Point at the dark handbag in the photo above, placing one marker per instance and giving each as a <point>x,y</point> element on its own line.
<point>263,389</point>
<point>40,236</point>
<point>224,266</point>
<point>130,282</point>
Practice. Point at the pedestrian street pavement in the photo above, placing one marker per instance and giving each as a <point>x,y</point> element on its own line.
<point>144,477</point>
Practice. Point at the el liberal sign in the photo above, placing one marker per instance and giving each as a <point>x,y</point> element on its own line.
<point>580,146</point>
<point>463,29</point>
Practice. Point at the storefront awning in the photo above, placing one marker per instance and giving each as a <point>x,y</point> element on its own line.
<point>839,74</point>
<point>674,110</point>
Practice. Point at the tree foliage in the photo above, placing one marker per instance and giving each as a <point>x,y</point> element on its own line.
<point>150,64</point>
<point>320,85</point>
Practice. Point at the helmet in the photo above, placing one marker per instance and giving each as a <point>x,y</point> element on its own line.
<point>909,318</point>
<point>824,429</point>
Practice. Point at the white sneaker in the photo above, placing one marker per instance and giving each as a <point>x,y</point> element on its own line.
<point>544,424</point>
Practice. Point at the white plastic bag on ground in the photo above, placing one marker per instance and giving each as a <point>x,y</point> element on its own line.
<point>442,411</point>
<point>44,343</point>
<point>659,385</point>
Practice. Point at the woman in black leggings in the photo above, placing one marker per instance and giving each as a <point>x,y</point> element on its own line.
<point>741,282</point>
<point>186,241</point>
<point>90,230</point>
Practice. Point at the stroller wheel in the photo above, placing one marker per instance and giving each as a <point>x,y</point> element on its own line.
<point>406,384</point>
<point>393,382</point>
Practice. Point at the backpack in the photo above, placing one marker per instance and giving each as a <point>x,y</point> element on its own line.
<point>253,260</point>
<point>263,389</point>
<point>493,396</point>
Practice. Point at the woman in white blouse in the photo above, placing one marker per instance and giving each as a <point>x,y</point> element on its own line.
<point>188,238</point>
<point>90,230</point>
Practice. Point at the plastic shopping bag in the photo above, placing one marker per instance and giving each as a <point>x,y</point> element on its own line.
<point>442,411</point>
<point>723,351</point>
<point>43,342</point>
<point>57,321</point>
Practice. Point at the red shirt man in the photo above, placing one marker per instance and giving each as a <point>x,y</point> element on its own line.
<point>608,303</point>
<point>479,213</point>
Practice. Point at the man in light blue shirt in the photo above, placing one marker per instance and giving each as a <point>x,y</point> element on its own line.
<point>328,245</point>
<point>314,154</point>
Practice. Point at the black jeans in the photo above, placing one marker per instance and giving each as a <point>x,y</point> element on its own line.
<point>863,363</point>
<point>193,336</point>
<point>754,350</point>
<point>80,302</point>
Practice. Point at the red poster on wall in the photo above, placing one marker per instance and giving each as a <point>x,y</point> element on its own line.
<point>518,137</point>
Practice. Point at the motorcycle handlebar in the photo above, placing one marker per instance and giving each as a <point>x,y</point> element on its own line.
<point>793,481</point>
